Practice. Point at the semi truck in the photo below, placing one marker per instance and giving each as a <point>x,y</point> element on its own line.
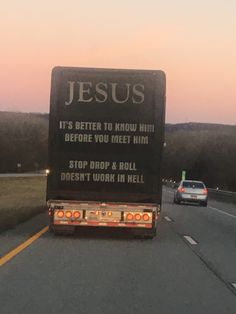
<point>106,136</point>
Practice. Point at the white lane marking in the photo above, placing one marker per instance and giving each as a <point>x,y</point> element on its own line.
<point>190,240</point>
<point>222,212</point>
<point>234,285</point>
<point>167,218</point>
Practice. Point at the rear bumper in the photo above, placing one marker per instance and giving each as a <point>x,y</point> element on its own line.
<point>103,224</point>
<point>113,215</point>
<point>193,198</point>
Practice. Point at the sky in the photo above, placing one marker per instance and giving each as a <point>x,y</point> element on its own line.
<point>193,42</point>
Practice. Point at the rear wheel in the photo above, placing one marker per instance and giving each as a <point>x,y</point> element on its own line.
<point>204,204</point>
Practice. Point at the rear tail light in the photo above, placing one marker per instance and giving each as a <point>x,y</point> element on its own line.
<point>205,191</point>
<point>68,214</point>
<point>181,189</point>
<point>138,217</point>
<point>109,214</point>
<point>130,216</point>
<point>60,214</point>
<point>76,214</point>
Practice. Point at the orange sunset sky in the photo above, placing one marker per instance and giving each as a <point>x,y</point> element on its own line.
<point>194,42</point>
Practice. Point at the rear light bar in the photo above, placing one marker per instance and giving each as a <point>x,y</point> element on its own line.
<point>71,215</point>
<point>67,214</point>
<point>138,217</point>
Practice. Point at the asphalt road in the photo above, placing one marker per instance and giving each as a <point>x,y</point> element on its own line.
<point>99,273</point>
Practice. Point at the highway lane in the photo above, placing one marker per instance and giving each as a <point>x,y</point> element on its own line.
<point>213,227</point>
<point>102,274</point>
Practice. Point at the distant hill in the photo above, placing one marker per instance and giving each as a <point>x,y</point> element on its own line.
<point>206,151</point>
<point>195,126</point>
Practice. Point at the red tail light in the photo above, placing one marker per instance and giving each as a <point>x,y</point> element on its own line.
<point>205,191</point>
<point>181,189</point>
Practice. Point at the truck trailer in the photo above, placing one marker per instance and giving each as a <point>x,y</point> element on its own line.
<point>106,136</point>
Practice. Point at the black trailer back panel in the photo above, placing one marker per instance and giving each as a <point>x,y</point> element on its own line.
<point>106,133</point>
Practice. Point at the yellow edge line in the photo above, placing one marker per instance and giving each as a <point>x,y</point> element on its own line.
<point>22,246</point>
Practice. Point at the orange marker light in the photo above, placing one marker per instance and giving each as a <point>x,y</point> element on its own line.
<point>130,216</point>
<point>76,214</point>
<point>60,214</point>
<point>68,214</point>
<point>109,214</point>
<point>146,217</point>
<point>137,217</point>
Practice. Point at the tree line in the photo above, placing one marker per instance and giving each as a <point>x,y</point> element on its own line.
<point>205,151</point>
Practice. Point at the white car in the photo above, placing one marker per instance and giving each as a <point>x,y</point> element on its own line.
<point>191,191</point>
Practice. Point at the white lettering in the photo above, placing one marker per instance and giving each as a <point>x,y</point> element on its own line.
<point>75,176</point>
<point>103,177</point>
<point>91,126</point>
<point>101,92</point>
<point>140,139</point>
<point>78,164</point>
<point>120,139</point>
<point>71,93</point>
<point>138,93</point>
<point>83,91</point>
<point>78,137</point>
<point>125,127</point>
<point>101,138</point>
<point>114,93</point>
<point>134,178</point>
<point>101,165</point>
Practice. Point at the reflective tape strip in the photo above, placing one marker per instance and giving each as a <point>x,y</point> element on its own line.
<point>102,224</point>
<point>112,224</point>
<point>60,222</point>
<point>93,223</point>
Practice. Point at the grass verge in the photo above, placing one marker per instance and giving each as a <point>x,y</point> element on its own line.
<point>20,199</point>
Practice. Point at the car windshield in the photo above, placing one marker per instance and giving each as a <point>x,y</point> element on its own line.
<point>193,185</point>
